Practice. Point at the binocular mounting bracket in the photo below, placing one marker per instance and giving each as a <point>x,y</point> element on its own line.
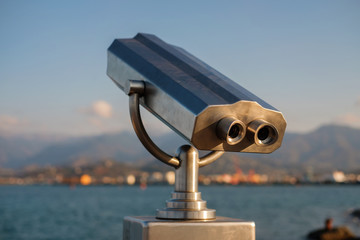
<point>186,202</point>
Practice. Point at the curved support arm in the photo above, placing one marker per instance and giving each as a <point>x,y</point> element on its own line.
<point>143,136</point>
<point>135,89</point>
<point>210,157</point>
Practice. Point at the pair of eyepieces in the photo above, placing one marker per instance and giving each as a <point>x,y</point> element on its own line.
<point>259,131</point>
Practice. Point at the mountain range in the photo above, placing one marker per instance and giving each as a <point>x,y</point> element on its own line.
<point>325,149</point>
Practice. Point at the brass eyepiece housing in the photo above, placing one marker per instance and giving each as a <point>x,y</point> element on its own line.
<point>231,130</point>
<point>262,132</point>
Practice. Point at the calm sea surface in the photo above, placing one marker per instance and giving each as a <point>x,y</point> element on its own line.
<point>59,212</point>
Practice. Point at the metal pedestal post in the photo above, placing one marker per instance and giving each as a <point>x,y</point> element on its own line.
<point>186,202</point>
<point>186,216</point>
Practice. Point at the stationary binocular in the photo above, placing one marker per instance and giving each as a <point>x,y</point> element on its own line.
<point>209,110</point>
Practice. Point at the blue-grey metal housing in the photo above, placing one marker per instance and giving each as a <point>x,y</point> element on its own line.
<point>179,88</point>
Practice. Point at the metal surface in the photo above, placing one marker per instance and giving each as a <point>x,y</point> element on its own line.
<point>262,132</point>
<point>149,228</point>
<point>181,206</point>
<point>205,133</point>
<point>144,137</point>
<point>231,130</point>
<point>186,177</point>
<point>186,202</point>
<point>210,158</point>
<point>182,91</point>
<point>135,89</point>
<point>206,108</point>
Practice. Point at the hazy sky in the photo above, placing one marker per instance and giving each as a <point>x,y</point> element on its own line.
<point>303,57</point>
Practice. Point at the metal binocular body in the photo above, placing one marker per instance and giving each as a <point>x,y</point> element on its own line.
<point>208,109</point>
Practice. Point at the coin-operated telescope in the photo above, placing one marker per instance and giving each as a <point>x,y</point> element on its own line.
<point>207,109</point>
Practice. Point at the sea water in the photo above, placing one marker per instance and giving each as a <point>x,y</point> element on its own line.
<point>96,212</point>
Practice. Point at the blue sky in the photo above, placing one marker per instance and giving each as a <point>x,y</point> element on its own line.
<point>303,57</point>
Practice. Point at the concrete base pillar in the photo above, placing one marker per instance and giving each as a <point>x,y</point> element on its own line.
<point>151,228</point>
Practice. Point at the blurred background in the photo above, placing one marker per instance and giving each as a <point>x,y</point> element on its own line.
<point>64,122</point>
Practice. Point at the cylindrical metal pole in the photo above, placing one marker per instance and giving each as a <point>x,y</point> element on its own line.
<point>186,202</point>
<point>186,176</point>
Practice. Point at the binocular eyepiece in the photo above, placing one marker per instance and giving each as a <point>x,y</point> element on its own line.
<point>205,107</point>
<point>262,132</point>
<point>233,131</point>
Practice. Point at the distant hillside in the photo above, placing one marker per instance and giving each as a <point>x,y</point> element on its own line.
<point>325,149</point>
<point>123,147</point>
<point>17,149</point>
<point>228,163</point>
